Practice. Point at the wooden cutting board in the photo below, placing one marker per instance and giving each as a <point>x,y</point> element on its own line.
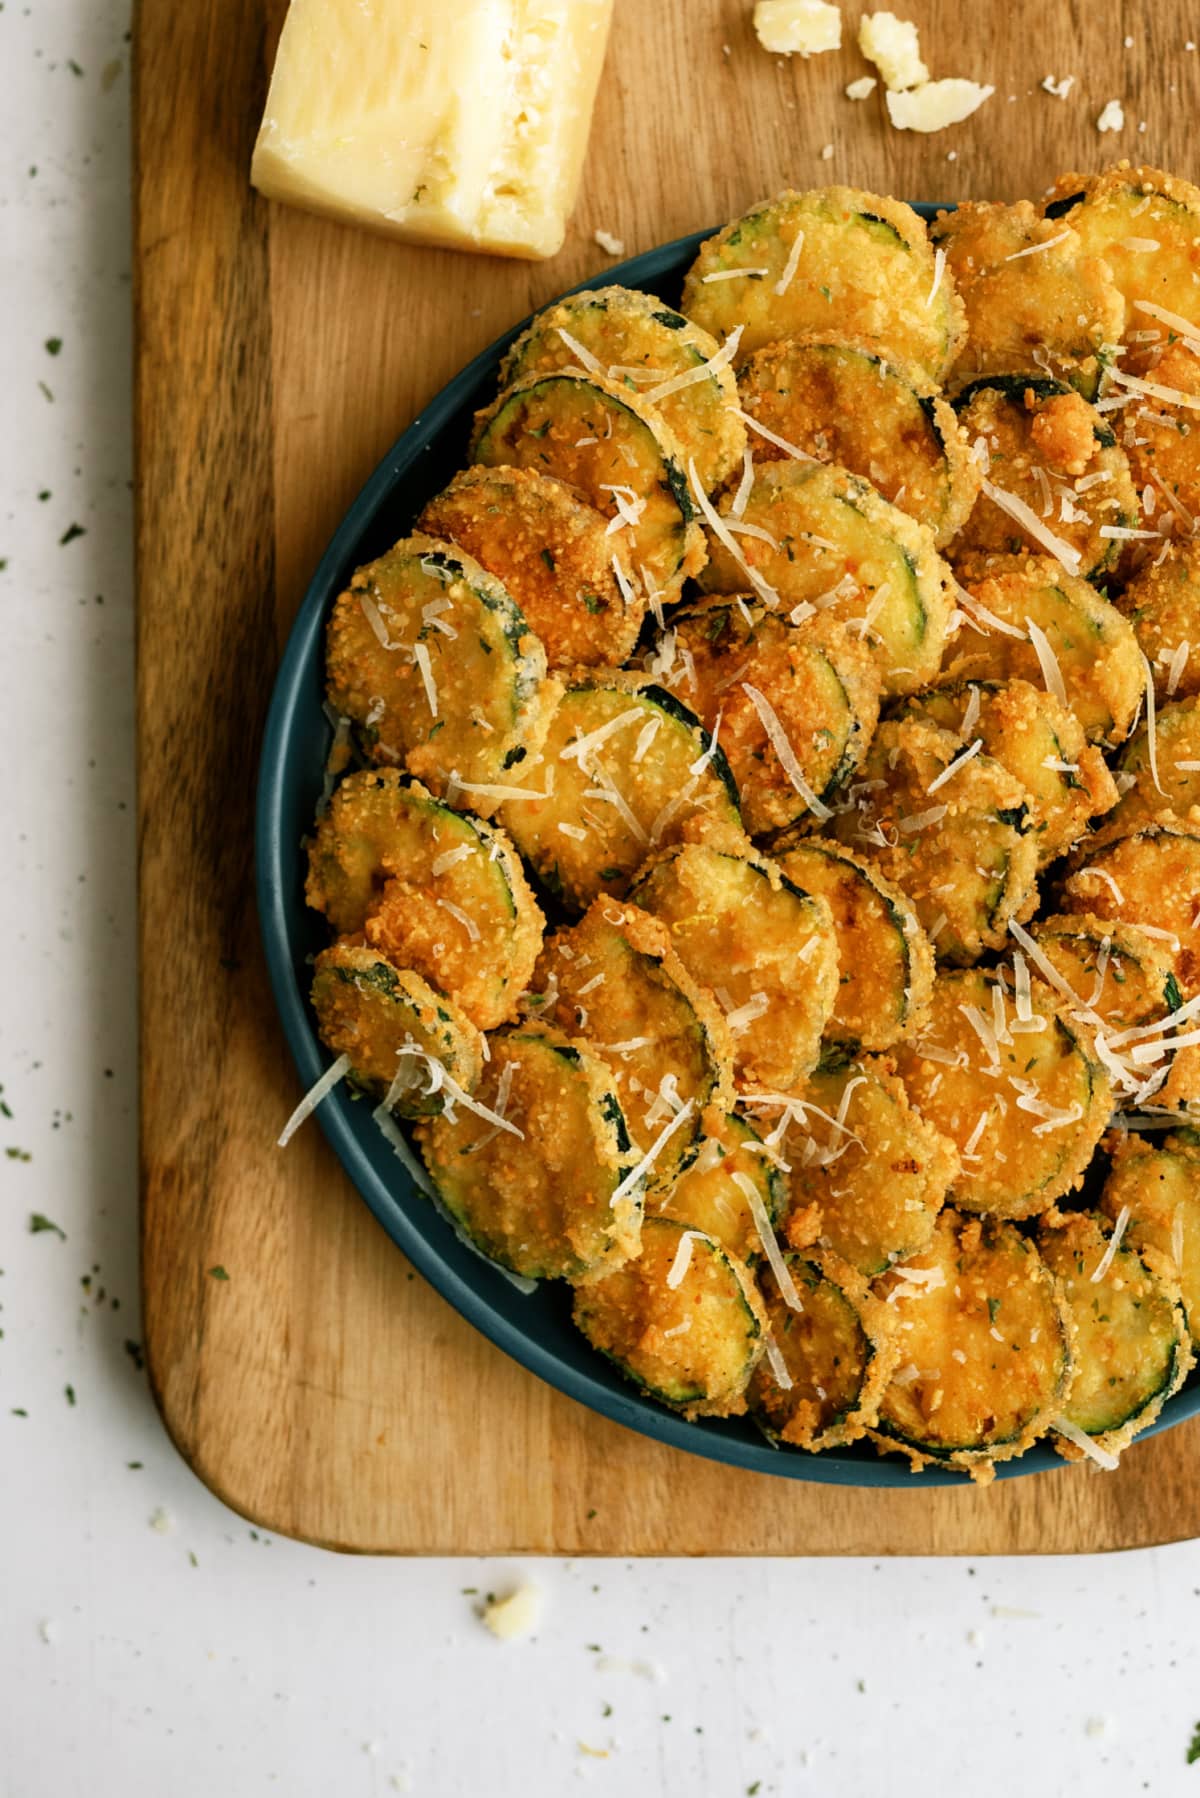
<point>323,1389</point>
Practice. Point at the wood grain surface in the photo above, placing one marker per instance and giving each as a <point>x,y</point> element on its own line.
<point>324,1390</point>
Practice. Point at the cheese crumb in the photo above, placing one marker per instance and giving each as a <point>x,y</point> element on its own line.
<point>612,246</point>
<point>514,1616</point>
<point>858,90</point>
<point>48,1631</point>
<point>1112,118</point>
<point>827,153</point>
<point>162,1522</point>
<point>797,27</point>
<point>1060,89</point>
<point>894,47</point>
<point>936,104</point>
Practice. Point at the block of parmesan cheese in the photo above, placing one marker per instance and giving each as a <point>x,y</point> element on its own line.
<point>459,122</point>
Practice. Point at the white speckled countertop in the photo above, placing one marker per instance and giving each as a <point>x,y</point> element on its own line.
<point>149,1641</point>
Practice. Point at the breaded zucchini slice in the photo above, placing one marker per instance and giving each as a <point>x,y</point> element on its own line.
<point>433,890</point>
<point>1025,1111</point>
<point>624,769</point>
<point>615,980</point>
<point>1038,740</point>
<point>879,1177</point>
<point>684,1321</point>
<point>604,440</point>
<point>886,959</point>
<point>555,1194</point>
<point>1169,790</point>
<point>1132,1349</point>
<point>814,539</point>
<point>817,683</point>
<point>1159,431</point>
<point>712,1191</point>
<point>1043,446</point>
<point>836,257</point>
<point>953,833</point>
<point>553,552</point>
<point>1157,1182</point>
<point>390,1023</point>
<point>1151,879</point>
<point>839,1353</point>
<point>761,945</point>
<point>1162,603</point>
<point>1114,970</point>
<point>837,400</point>
<point>986,1349</point>
<point>636,340</point>
<point>434,663</point>
<point>1094,648</point>
<point>1037,301</point>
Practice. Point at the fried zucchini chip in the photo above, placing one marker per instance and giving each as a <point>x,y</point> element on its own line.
<point>837,256</point>
<point>835,399</point>
<point>877,1175</point>
<point>812,539</point>
<point>1038,740</point>
<point>727,1185</point>
<point>1132,1349</point>
<point>1115,971</point>
<point>1159,431</point>
<point>434,663</point>
<point>987,1348</point>
<point>981,1083</point>
<point>1162,603</point>
<point>684,1321</point>
<point>791,699</point>
<point>886,959</point>
<point>615,980</point>
<point>604,440</point>
<point>1052,468</point>
<point>761,945</point>
<point>1086,639</point>
<point>550,1190</point>
<point>1151,879</point>
<point>625,769</point>
<point>432,889</point>
<point>636,340</point>
<point>1156,1185</point>
<point>1165,771</point>
<point>556,555</point>
<point>1037,302</point>
<point>837,1353</point>
<point>393,1026</point>
<point>952,830</point>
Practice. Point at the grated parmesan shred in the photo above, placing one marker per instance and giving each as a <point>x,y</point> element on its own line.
<point>337,1070</point>
<point>958,762</point>
<point>1151,725</point>
<point>640,1169</point>
<point>464,918</point>
<point>677,1272</point>
<point>583,356</point>
<point>777,736</point>
<point>703,371</point>
<point>723,535</point>
<point>1063,1426</point>
<point>1047,661</point>
<point>1029,521</point>
<point>790,266</point>
<point>766,1235</point>
<point>777,1364</point>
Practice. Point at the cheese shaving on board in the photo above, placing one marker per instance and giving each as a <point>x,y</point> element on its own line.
<point>337,1070</point>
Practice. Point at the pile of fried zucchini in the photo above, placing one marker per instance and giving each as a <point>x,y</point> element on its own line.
<point>762,841</point>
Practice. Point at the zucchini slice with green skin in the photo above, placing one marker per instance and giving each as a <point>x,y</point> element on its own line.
<point>615,980</point>
<point>1125,977</point>
<point>987,1349</point>
<point>684,1321</point>
<point>1093,645</point>
<point>1041,744</point>
<point>1132,1349</point>
<point>1158,1184</point>
<point>825,542</point>
<point>553,552</point>
<point>1162,603</point>
<point>642,344</point>
<point>387,1018</point>
<point>1030,288</point>
<point>952,831</point>
<point>1043,445</point>
<point>604,440</point>
<point>840,1352</point>
<point>765,949</point>
<point>1175,799</point>
<point>1025,1112</point>
<point>886,959</point>
<point>710,1193</point>
<point>434,663</point>
<point>433,890</point>
<point>1146,225</point>
<point>559,1200</point>
<point>820,681</point>
<point>833,258</point>
<point>625,767</point>
<point>879,1178</point>
<point>1152,879</point>
<point>837,400</point>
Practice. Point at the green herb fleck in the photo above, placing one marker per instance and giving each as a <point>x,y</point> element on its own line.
<point>134,1351</point>
<point>590,1515</point>
<point>993,1306</point>
<point>217,1273</point>
<point>1193,1750</point>
<point>69,535</point>
<point>192,1558</point>
<point>74,66</point>
<point>135,1466</point>
<point>607,1711</point>
<point>70,1394</point>
<point>38,1224</point>
<point>548,559</point>
<point>53,345</point>
<point>592,603</point>
<point>46,392</point>
<point>19,1411</point>
<point>18,1154</point>
<point>756,1787</point>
